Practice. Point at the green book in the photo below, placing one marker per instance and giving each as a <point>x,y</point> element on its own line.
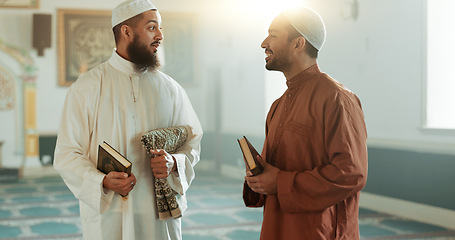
<point>110,159</point>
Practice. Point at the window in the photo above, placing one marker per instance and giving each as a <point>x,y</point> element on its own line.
<point>440,81</point>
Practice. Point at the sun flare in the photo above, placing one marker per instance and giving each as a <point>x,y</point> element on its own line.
<point>267,9</point>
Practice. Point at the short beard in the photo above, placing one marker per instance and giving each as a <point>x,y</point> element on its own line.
<point>142,58</point>
<point>279,64</point>
<point>280,60</point>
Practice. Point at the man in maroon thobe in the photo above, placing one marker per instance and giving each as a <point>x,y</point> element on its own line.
<point>315,152</point>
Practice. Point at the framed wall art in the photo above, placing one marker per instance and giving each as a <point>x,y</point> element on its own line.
<point>19,3</point>
<point>84,39</point>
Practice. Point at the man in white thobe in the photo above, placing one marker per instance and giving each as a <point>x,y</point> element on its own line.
<point>117,102</point>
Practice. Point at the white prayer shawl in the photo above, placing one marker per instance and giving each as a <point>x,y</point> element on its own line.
<point>113,103</point>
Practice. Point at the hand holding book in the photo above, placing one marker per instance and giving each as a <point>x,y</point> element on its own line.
<point>119,182</point>
<point>263,176</point>
<point>265,182</point>
<point>117,169</point>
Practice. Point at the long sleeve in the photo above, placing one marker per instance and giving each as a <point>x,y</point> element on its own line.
<point>316,136</point>
<point>114,103</point>
<point>189,154</point>
<point>72,156</point>
<point>346,170</point>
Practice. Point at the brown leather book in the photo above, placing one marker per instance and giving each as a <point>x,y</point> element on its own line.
<point>249,156</point>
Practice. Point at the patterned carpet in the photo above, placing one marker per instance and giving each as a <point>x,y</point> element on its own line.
<point>43,208</point>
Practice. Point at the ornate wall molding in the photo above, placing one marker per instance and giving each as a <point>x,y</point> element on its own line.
<point>7,89</point>
<point>28,78</point>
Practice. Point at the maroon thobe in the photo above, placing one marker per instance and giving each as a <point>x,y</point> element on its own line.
<point>316,136</point>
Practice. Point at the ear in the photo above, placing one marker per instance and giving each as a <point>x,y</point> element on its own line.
<point>127,32</point>
<point>300,43</point>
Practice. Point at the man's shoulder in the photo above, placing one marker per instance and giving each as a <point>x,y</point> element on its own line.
<point>165,79</point>
<point>163,75</point>
<point>91,79</point>
<point>331,86</point>
<point>330,89</point>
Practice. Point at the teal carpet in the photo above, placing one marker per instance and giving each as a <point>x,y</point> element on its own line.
<point>36,209</point>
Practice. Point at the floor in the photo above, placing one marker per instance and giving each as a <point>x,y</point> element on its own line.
<point>43,208</point>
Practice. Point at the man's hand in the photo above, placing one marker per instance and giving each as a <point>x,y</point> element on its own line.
<point>119,182</point>
<point>163,164</point>
<point>264,183</point>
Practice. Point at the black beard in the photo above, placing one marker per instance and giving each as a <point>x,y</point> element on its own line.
<point>142,58</point>
<point>278,64</point>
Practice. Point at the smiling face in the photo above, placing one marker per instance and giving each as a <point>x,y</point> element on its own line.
<point>277,46</point>
<point>145,42</point>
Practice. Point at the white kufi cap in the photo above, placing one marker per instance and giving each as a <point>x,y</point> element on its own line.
<point>308,23</point>
<point>129,9</point>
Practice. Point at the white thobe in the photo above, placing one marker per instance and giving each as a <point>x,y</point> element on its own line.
<point>115,104</point>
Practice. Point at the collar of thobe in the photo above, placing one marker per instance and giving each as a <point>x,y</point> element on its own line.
<point>122,64</point>
<point>302,77</point>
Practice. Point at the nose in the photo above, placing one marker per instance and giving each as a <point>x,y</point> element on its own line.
<point>159,35</point>
<point>264,43</point>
